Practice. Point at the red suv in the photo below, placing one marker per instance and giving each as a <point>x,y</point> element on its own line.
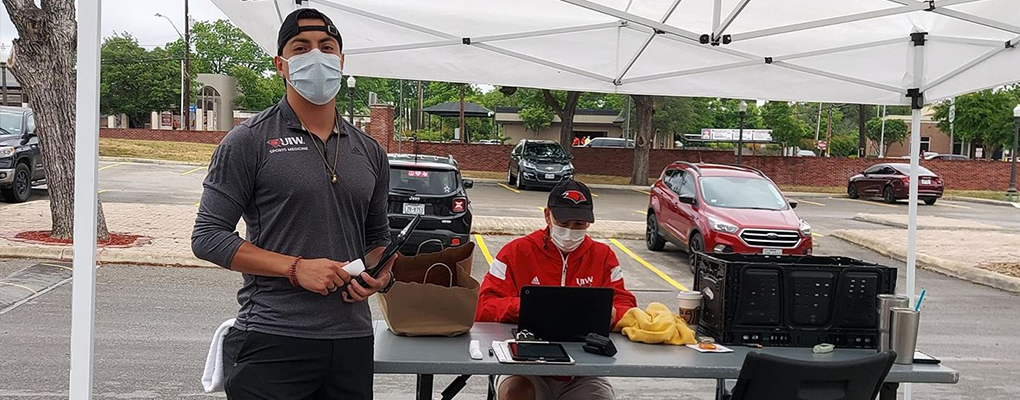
<point>723,209</point>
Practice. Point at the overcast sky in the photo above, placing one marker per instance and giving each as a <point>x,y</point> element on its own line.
<point>138,18</point>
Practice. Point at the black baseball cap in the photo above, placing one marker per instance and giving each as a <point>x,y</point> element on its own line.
<point>571,200</point>
<point>290,27</point>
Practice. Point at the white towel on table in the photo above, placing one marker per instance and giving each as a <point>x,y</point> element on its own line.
<point>212,377</point>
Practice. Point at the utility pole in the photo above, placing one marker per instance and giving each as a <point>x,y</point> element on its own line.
<point>881,139</point>
<point>818,123</point>
<point>421,99</point>
<point>828,134</point>
<point>626,121</point>
<point>952,130</point>
<point>463,133</point>
<point>186,112</point>
<point>862,138</point>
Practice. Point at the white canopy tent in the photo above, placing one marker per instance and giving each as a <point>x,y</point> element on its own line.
<point>896,52</point>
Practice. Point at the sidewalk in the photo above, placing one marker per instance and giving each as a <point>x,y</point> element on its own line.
<point>168,228</point>
<point>970,251</point>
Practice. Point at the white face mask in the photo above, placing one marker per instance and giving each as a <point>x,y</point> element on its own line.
<point>315,76</point>
<point>567,240</point>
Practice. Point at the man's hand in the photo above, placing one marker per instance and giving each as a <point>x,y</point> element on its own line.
<point>356,292</point>
<point>321,275</point>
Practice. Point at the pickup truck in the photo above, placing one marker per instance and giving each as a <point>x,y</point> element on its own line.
<point>21,161</point>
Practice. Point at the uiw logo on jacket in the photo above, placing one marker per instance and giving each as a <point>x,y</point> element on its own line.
<point>534,258</point>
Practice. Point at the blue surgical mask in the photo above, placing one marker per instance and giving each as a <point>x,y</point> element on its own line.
<point>315,76</point>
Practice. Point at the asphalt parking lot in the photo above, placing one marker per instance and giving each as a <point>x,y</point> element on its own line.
<point>153,324</point>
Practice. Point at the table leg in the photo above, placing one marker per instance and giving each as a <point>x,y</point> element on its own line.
<point>888,391</point>
<point>720,389</point>
<point>423,390</point>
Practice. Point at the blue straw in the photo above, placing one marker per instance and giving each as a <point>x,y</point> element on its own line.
<point>917,307</point>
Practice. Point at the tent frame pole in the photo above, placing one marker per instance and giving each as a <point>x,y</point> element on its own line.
<point>480,39</point>
<point>963,68</point>
<point>636,19</point>
<point>86,199</point>
<point>648,41</point>
<point>1002,26</point>
<point>721,28</point>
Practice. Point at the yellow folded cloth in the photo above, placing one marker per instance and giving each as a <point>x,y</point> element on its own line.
<point>656,324</point>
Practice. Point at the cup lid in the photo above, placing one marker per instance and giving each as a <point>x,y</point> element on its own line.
<point>689,295</point>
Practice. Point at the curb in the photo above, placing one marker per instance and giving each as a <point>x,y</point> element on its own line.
<point>151,161</point>
<point>950,268</point>
<point>869,218</point>
<point>982,201</point>
<point>103,256</point>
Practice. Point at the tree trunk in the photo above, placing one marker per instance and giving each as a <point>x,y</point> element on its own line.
<point>566,113</point>
<point>44,65</point>
<point>644,110</point>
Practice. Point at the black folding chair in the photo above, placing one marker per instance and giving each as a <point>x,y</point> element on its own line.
<point>768,377</point>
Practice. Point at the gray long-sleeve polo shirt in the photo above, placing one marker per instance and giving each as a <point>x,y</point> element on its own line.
<point>267,171</point>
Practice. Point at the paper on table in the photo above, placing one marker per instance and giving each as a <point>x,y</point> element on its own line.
<point>718,349</point>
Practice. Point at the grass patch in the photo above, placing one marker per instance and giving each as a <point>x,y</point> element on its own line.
<point>156,150</point>
<point>980,194</point>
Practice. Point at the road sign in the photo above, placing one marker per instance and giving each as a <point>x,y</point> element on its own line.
<point>822,145</point>
<point>193,108</point>
<point>952,113</point>
<point>731,135</point>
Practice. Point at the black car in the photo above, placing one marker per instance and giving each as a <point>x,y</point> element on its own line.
<point>21,161</point>
<point>538,163</point>
<point>430,186</point>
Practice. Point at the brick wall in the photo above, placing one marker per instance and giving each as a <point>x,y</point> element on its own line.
<point>211,137</point>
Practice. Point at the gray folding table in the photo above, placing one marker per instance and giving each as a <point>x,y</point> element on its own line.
<point>429,356</point>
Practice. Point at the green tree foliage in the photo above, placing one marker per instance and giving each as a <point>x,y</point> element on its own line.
<point>844,145</point>
<point>536,117</point>
<point>257,90</point>
<point>787,129</point>
<point>985,117</point>
<point>220,47</point>
<point>895,130</point>
<point>683,116</point>
<point>135,81</point>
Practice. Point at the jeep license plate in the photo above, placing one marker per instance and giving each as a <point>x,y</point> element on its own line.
<point>772,252</point>
<point>926,181</point>
<point>550,176</point>
<point>414,209</point>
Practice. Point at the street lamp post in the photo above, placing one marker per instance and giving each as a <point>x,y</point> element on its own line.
<point>350,92</point>
<point>1012,192</point>
<point>740,135</point>
<point>183,80</point>
<point>3,67</point>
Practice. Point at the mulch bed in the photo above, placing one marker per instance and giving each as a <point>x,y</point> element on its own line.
<point>1011,269</point>
<point>115,239</point>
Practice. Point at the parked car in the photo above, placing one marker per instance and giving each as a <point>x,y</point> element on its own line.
<point>611,142</point>
<point>430,186</point>
<point>21,161</point>
<point>489,141</point>
<point>947,157</point>
<point>538,163</point>
<point>805,153</point>
<point>891,182</point>
<point>723,209</point>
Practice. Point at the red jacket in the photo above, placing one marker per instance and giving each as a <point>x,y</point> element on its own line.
<point>535,260</point>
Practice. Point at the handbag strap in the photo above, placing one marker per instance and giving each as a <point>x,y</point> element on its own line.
<point>418,252</point>
<point>450,271</point>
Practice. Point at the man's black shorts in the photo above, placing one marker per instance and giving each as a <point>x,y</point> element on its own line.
<point>263,366</point>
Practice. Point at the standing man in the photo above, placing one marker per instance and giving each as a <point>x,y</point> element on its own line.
<point>312,190</point>
<point>561,254</point>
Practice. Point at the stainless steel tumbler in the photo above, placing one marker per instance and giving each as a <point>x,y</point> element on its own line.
<point>886,302</point>
<point>903,336</point>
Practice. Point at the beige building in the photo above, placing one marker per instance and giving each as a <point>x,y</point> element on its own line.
<point>587,123</point>
<point>932,138</point>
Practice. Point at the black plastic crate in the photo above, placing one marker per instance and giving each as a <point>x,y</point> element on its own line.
<point>795,301</point>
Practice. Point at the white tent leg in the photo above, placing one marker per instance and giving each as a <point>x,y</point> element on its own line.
<point>915,161</point>
<point>86,200</point>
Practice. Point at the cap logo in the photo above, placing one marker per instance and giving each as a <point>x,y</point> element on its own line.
<point>575,196</point>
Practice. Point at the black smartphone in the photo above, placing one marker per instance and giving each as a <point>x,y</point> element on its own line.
<point>390,250</point>
<point>538,351</point>
<point>922,358</point>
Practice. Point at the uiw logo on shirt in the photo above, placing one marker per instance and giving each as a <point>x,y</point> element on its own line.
<point>292,143</point>
<point>586,281</point>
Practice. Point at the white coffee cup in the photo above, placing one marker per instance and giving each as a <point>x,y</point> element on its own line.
<point>690,306</point>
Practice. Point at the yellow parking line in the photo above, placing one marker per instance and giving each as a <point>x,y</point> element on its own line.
<point>112,165</point>
<point>57,266</point>
<point>647,265</point>
<point>641,212</point>
<point>509,188</point>
<point>816,234</point>
<point>594,195</point>
<point>642,191</point>
<point>102,191</point>
<point>485,249</point>
<point>542,209</point>
<point>20,286</point>
<point>193,170</point>
<point>811,203</point>
<point>196,204</point>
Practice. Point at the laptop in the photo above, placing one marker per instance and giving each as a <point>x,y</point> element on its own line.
<point>565,314</point>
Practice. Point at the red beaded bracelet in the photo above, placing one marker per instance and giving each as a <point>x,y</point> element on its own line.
<point>293,272</point>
